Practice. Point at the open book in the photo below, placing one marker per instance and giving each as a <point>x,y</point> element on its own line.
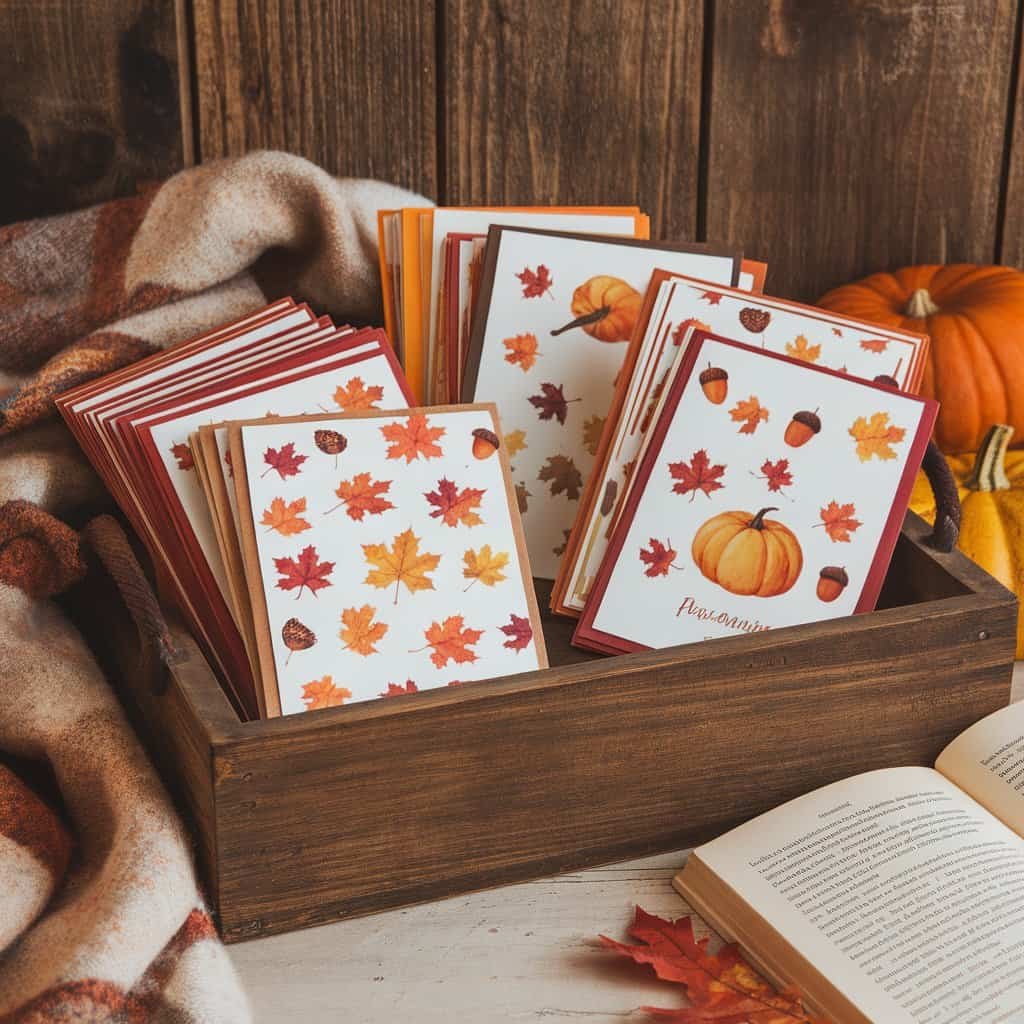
<point>893,897</point>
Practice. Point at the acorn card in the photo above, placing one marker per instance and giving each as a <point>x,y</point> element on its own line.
<point>550,331</point>
<point>770,493</point>
<point>383,554</point>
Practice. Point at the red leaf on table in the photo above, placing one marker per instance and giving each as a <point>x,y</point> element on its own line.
<point>283,460</point>
<point>519,631</point>
<point>183,456</point>
<point>535,283</point>
<point>659,559</point>
<point>696,475</point>
<point>304,572</point>
<point>454,506</point>
<point>551,403</point>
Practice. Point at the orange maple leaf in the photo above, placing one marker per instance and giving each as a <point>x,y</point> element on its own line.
<point>359,632</point>
<point>285,517</point>
<point>876,436</point>
<point>801,348</point>
<point>396,689</point>
<point>839,522</point>
<point>874,344</point>
<point>451,642</point>
<point>322,693</point>
<point>356,395</point>
<point>453,506</point>
<point>522,351</point>
<point>413,438</point>
<point>400,564</point>
<point>750,413</point>
<point>362,496</point>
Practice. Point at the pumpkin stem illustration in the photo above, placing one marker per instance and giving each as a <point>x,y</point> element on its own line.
<point>582,321</point>
<point>989,472</point>
<point>757,523</point>
<point>920,305</point>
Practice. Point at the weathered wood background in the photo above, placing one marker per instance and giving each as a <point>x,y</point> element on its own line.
<point>831,137</point>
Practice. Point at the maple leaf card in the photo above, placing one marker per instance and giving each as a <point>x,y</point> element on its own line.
<point>547,346</point>
<point>391,562</point>
<point>677,306</point>
<point>770,493</point>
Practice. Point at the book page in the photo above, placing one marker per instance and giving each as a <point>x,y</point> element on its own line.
<point>987,761</point>
<point>901,890</point>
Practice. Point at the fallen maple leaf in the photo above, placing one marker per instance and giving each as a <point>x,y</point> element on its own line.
<point>659,559</point>
<point>712,298</point>
<point>551,403</point>
<point>413,438</point>
<point>322,693</point>
<point>304,572</point>
<point>874,345</point>
<point>397,690</point>
<point>750,413</point>
<point>562,476</point>
<point>515,441</point>
<point>283,460</point>
<point>522,351</point>
<point>362,496</point>
<point>485,565</point>
<point>451,642</point>
<point>285,517</point>
<point>183,456</point>
<point>876,436</point>
<point>801,348</point>
<point>535,283</point>
<point>454,506</point>
<point>519,633</point>
<point>402,563</point>
<point>359,633</point>
<point>696,475</point>
<point>721,987</point>
<point>776,473</point>
<point>838,521</point>
<point>592,429</point>
<point>356,395</point>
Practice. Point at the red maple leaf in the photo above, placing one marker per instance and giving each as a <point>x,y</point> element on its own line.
<point>535,283</point>
<point>776,473</point>
<point>306,571</point>
<point>874,344</point>
<point>183,455</point>
<point>551,402</point>
<point>659,559</point>
<point>397,689</point>
<point>454,506</point>
<point>227,462</point>
<point>696,475</point>
<point>712,298</point>
<point>284,460</point>
<point>519,631</point>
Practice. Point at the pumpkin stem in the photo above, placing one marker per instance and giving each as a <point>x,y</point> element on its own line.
<point>757,523</point>
<point>921,304</point>
<point>989,471</point>
<point>582,321</point>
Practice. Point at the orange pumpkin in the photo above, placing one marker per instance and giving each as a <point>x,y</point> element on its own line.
<point>975,317</point>
<point>748,554</point>
<point>606,308</point>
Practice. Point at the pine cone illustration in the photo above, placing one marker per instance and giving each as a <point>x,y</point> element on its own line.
<point>297,637</point>
<point>755,320</point>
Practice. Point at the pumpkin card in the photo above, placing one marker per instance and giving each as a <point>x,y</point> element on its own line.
<point>679,305</point>
<point>770,493</point>
<point>550,333</point>
<point>383,554</point>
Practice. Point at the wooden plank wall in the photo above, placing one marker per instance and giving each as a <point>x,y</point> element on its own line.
<point>831,137</point>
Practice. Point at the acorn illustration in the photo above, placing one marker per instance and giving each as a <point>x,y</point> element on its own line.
<point>832,581</point>
<point>714,382</point>
<point>802,427</point>
<point>755,320</point>
<point>297,636</point>
<point>611,493</point>
<point>886,381</point>
<point>485,443</point>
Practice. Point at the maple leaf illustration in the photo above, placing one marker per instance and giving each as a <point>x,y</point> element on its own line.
<point>562,476</point>
<point>839,521</point>
<point>559,549</point>
<point>522,351</point>
<point>361,496</point>
<point>454,506</point>
<point>659,558</point>
<point>359,632</point>
<point>322,693</point>
<point>874,344</point>
<point>183,456</point>
<point>401,564</point>
<point>515,441</point>
<point>592,429</point>
<point>838,333</point>
<point>485,566</point>
<point>519,633</point>
<point>801,348</point>
<point>227,462</point>
<point>285,517</point>
<point>776,473</point>
<point>356,395</point>
<point>684,325</point>
<point>413,438</point>
<point>397,689</point>
<point>451,640</point>
<point>523,497</point>
<point>750,413</point>
<point>535,283</point>
<point>876,436</point>
<point>696,475</point>
<point>304,572</point>
<point>283,460</point>
<point>551,403</point>
<point>711,298</point>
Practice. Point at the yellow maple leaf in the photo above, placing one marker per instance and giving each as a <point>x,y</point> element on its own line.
<point>285,517</point>
<point>360,633</point>
<point>400,564</point>
<point>356,395</point>
<point>750,413</point>
<point>515,441</point>
<point>876,436</point>
<point>485,566</point>
<point>592,429</point>
<point>801,348</point>
<point>322,693</point>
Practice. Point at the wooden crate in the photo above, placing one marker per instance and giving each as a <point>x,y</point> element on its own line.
<point>303,820</point>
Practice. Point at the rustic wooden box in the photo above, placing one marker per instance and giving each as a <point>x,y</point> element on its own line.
<point>307,819</point>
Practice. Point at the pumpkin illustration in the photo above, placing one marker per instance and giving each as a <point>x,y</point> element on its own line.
<point>606,308</point>
<point>748,554</point>
<point>975,317</point>
<point>991,489</point>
